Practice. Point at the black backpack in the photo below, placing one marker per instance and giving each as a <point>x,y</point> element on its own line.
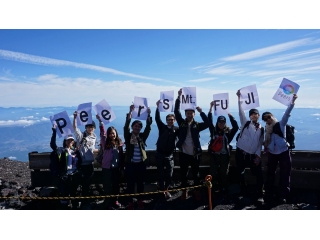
<point>289,132</point>
<point>54,163</point>
<point>246,125</point>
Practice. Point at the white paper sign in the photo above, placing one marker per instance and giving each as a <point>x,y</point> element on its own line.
<point>285,92</point>
<point>105,112</point>
<point>249,97</point>
<point>188,98</point>
<point>63,124</point>
<point>166,101</point>
<point>140,108</point>
<point>221,101</point>
<point>84,114</point>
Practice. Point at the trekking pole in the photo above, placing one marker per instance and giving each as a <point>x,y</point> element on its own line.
<point>208,179</point>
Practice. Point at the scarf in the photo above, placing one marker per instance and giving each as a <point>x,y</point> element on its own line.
<point>269,130</point>
<point>134,139</point>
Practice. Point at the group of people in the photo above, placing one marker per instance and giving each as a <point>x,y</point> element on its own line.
<point>77,154</point>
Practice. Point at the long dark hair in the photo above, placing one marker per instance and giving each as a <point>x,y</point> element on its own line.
<point>64,144</point>
<point>112,143</point>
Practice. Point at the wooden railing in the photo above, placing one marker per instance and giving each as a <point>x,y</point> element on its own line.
<point>305,168</point>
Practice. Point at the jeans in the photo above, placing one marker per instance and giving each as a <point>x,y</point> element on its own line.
<point>135,173</point>
<point>219,168</point>
<point>285,162</point>
<point>185,161</point>
<point>165,170</point>
<point>86,175</point>
<point>244,160</point>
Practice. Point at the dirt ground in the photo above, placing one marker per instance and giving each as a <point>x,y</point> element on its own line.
<point>15,182</point>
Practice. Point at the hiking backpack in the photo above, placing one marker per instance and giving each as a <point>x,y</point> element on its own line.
<point>54,163</point>
<point>289,134</point>
<point>246,125</point>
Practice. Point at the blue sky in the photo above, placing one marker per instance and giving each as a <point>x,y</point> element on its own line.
<point>68,67</point>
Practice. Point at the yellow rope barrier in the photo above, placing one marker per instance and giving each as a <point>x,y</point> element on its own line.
<point>97,197</point>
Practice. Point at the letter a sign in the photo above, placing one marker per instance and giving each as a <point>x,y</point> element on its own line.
<point>140,108</point>
<point>166,101</point>
<point>188,98</point>
<point>249,97</point>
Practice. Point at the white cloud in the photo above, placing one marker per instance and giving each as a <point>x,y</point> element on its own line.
<point>29,117</point>
<point>316,114</point>
<point>202,80</point>
<point>24,122</point>
<point>74,91</point>
<point>38,60</point>
<point>5,79</point>
<point>269,50</point>
<point>12,158</point>
<point>287,56</point>
<point>224,70</point>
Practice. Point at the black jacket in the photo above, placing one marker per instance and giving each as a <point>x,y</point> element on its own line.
<point>228,135</point>
<point>59,157</point>
<point>166,142</point>
<point>196,128</point>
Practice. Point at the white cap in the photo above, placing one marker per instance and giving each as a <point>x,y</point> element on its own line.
<point>70,136</point>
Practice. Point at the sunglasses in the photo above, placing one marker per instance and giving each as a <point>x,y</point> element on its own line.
<point>170,119</point>
<point>266,118</point>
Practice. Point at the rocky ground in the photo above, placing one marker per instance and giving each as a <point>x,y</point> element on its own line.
<point>15,182</point>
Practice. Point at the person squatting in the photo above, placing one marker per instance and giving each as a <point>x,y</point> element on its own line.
<point>72,164</point>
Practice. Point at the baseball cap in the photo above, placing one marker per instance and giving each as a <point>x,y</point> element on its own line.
<point>69,136</point>
<point>221,118</point>
<point>252,111</point>
<point>91,124</point>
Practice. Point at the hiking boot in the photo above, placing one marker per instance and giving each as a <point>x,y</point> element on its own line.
<point>197,195</point>
<point>184,195</point>
<point>167,195</point>
<point>140,204</point>
<point>130,206</point>
<point>260,200</point>
<point>117,205</point>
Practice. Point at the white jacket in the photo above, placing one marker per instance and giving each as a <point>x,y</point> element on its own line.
<point>251,139</point>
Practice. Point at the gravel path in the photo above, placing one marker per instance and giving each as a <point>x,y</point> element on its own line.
<point>15,181</point>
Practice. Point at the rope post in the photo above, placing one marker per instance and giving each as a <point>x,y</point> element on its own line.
<point>208,179</point>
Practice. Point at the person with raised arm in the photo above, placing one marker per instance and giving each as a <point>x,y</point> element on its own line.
<point>166,144</point>
<point>67,161</point>
<point>86,142</point>
<point>136,156</point>
<point>220,152</point>
<point>249,146</point>
<point>276,146</point>
<point>112,163</point>
<point>189,144</point>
